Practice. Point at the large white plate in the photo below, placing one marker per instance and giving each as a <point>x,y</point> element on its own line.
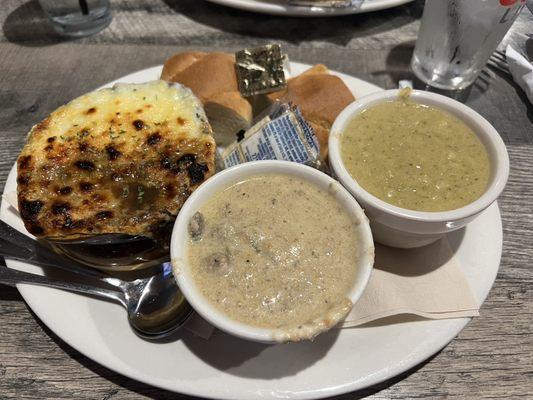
<point>229,368</point>
<point>280,7</point>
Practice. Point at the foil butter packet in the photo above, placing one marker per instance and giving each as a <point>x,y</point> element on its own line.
<point>282,134</point>
<point>260,70</point>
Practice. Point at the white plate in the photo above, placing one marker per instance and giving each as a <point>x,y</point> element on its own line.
<point>229,368</point>
<point>279,7</point>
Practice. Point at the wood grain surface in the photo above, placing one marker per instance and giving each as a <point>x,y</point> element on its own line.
<point>491,358</point>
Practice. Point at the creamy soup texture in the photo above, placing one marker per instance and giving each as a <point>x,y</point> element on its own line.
<point>415,156</point>
<point>275,251</point>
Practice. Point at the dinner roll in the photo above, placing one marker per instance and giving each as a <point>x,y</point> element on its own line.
<point>320,96</point>
<point>212,77</point>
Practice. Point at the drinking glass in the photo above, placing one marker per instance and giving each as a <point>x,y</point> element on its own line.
<point>77,17</point>
<point>457,37</point>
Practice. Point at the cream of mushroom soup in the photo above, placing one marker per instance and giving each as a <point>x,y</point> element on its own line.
<point>277,252</point>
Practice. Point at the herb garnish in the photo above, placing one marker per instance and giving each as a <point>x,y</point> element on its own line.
<point>140,194</point>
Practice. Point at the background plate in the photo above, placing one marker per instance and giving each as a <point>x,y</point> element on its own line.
<point>279,7</point>
<point>229,368</point>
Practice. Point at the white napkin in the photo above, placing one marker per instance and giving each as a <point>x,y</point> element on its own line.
<point>426,282</point>
<point>521,70</point>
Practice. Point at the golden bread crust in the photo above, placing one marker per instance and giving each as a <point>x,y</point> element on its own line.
<point>210,75</point>
<point>179,62</point>
<point>320,96</point>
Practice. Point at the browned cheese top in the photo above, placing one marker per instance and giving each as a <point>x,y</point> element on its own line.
<point>120,160</point>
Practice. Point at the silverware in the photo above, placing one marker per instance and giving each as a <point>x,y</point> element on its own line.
<point>13,277</point>
<point>155,305</point>
<point>498,61</point>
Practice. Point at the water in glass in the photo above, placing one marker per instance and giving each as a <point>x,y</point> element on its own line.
<point>77,17</point>
<point>457,37</point>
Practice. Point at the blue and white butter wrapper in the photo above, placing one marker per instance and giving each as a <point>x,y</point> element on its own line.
<point>283,134</point>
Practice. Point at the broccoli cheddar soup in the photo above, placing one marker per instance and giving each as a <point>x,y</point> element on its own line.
<point>275,252</point>
<point>415,156</point>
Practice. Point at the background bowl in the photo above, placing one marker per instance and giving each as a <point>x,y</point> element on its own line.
<point>400,227</point>
<point>223,180</point>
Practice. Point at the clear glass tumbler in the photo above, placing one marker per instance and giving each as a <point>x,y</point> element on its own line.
<point>77,17</point>
<point>457,37</point>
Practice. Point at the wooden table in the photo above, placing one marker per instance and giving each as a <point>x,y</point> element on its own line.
<point>491,358</point>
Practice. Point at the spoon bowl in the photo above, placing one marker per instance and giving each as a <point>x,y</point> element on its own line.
<point>156,308</point>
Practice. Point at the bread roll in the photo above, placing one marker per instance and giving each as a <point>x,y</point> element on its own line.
<point>212,77</point>
<point>179,62</point>
<point>316,70</point>
<point>320,96</point>
<point>228,114</point>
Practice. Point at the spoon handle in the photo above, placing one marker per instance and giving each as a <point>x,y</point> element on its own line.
<point>18,246</point>
<point>13,277</point>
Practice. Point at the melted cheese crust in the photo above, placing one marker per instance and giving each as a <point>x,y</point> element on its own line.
<point>119,160</point>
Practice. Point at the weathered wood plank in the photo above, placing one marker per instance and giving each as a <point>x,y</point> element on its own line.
<point>491,358</point>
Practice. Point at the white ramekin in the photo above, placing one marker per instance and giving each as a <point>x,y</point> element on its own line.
<point>399,227</point>
<point>223,180</point>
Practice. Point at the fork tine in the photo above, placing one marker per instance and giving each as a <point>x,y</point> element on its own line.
<point>499,60</point>
<point>486,73</point>
<point>499,56</point>
<point>502,68</point>
<point>497,64</point>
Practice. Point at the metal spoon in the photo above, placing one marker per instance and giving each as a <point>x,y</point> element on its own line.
<point>155,305</point>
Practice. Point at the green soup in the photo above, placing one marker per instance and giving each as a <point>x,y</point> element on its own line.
<point>415,156</point>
